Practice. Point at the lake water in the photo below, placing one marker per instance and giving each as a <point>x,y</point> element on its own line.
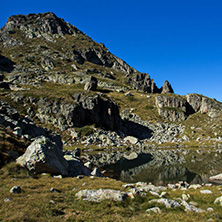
<point>197,167</point>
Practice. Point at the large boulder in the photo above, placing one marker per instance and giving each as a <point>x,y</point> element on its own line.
<point>102,194</point>
<point>44,156</point>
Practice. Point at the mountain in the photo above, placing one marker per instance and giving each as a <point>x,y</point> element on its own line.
<point>45,64</point>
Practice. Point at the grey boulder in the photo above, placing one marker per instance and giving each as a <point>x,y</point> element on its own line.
<point>101,194</point>
<point>44,156</point>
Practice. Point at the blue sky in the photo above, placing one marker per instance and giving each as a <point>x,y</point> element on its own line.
<point>180,41</point>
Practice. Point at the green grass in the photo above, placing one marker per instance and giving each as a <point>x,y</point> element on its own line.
<point>37,203</point>
<point>85,130</point>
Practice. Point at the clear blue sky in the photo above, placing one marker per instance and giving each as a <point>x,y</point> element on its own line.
<point>177,40</point>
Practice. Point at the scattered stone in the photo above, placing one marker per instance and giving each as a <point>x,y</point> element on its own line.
<point>96,172</point>
<point>130,185</point>
<point>185,197</point>
<point>190,207</point>
<point>206,191</point>
<point>171,186</point>
<point>163,194</point>
<point>216,178</point>
<point>131,139</point>
<point>154,193</point>
<point>80,177</point>
<point>130,195</point>
<point>74,67</point>
<point>77,152</point>
<point>168,203</point>
<point>101,194</point>
<point>131,156</point>
<point>53,190</point>
<point>88,165</point>
<point>193,203</point>
<point>16,189</point>
<point>128,94</point>
<point>210,209</point>
<point>218,200</point>
<point>195,186</point>
<point>154,210</point>
<point>91,84</point>
<point>52,202</point>
<point>57,176</point>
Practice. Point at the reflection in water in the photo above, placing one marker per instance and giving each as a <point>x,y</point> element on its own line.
<point>148,168</point>
<point>158,175</point>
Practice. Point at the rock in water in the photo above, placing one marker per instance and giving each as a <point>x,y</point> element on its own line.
<point>44,156</point>
<point>91,84</point>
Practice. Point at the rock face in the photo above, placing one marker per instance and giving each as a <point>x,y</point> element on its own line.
<point>86,110</point>
<point>142,82</point>
<point>178,109</point>
<point>172,108</point>
<point>24,126</point>
<point>43,156</point>
<point>195,101</point>
<point>205,105</point>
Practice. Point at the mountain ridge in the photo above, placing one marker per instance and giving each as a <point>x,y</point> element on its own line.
<point>44,57</point>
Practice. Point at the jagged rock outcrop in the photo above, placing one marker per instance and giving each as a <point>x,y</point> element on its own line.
<point>166,88</point>
<point>142,82</point>
<point>86,110</point>
<point>43,156</point>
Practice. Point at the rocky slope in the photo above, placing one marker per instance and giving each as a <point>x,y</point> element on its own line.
<point>54,75</point>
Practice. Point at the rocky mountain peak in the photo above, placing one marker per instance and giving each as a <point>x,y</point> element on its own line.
<point>35,25</point>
